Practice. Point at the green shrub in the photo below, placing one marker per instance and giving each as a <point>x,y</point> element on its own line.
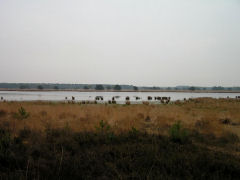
<point>104,130</point>
<point>178,134</point>
<point>22,114</point>
<point>103,127</point>
<point>133,132</point>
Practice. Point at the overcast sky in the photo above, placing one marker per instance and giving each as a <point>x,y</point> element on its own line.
<point>139,42</point>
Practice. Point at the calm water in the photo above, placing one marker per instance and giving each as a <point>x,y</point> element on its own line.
<point>60,95</point>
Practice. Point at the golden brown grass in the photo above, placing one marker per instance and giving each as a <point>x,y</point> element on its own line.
<point>203,114</point>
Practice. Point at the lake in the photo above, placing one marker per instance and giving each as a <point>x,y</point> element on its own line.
<point>79,96</point>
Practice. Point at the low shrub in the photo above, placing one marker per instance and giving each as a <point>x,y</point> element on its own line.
<point>21,114</point>
<point>178,134</point>
<point>24,133</point>
<point>103,130</point>
<point>133,132</point>
<point>228,137</point>
<point>225,120</point>
<point>103,127</point>
<point>86,156</point>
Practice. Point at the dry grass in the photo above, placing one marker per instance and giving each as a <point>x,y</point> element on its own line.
<point>203,114</point>
<point>60,141</point>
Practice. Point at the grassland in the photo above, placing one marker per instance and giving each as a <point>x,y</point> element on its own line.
<point>197,139</point>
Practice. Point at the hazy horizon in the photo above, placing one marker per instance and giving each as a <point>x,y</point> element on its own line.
<point>116,84</point>
<point>143,43</point>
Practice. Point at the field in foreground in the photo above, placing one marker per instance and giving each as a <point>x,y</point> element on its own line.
<point>197,139</point>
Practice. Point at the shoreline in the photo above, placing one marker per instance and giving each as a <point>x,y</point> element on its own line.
<point>79,90</point>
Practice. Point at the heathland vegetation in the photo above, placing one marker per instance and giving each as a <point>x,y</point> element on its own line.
<point>195,139</point>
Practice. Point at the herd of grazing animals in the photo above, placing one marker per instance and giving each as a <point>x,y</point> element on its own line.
<point>163,100</point>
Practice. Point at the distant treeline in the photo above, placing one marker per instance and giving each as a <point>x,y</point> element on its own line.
<point>117,87</point>
<point>193,88</point>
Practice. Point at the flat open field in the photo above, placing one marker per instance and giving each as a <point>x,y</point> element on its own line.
<point>196,139</point>
<point>206,115</point>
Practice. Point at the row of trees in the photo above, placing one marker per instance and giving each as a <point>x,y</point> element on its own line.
<point>97,87</point>
<point>135,88</point>
<point>41,86</point>
<point>116,87</point>
<point>192,88</point>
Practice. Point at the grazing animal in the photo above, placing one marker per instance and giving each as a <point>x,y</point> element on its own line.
<point>149,98</point>
<point>73,98</point>
<point>178,102</point>
<point>97,98</point>
<point>113,98</point>
<point>1,98</point>
<point>127,98</point>
<point>137,98</point>
<point>145,103</point>
<point>114,102</point>
<point>128,103</point>
<point>65,98</point>
<point>164,98</point>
